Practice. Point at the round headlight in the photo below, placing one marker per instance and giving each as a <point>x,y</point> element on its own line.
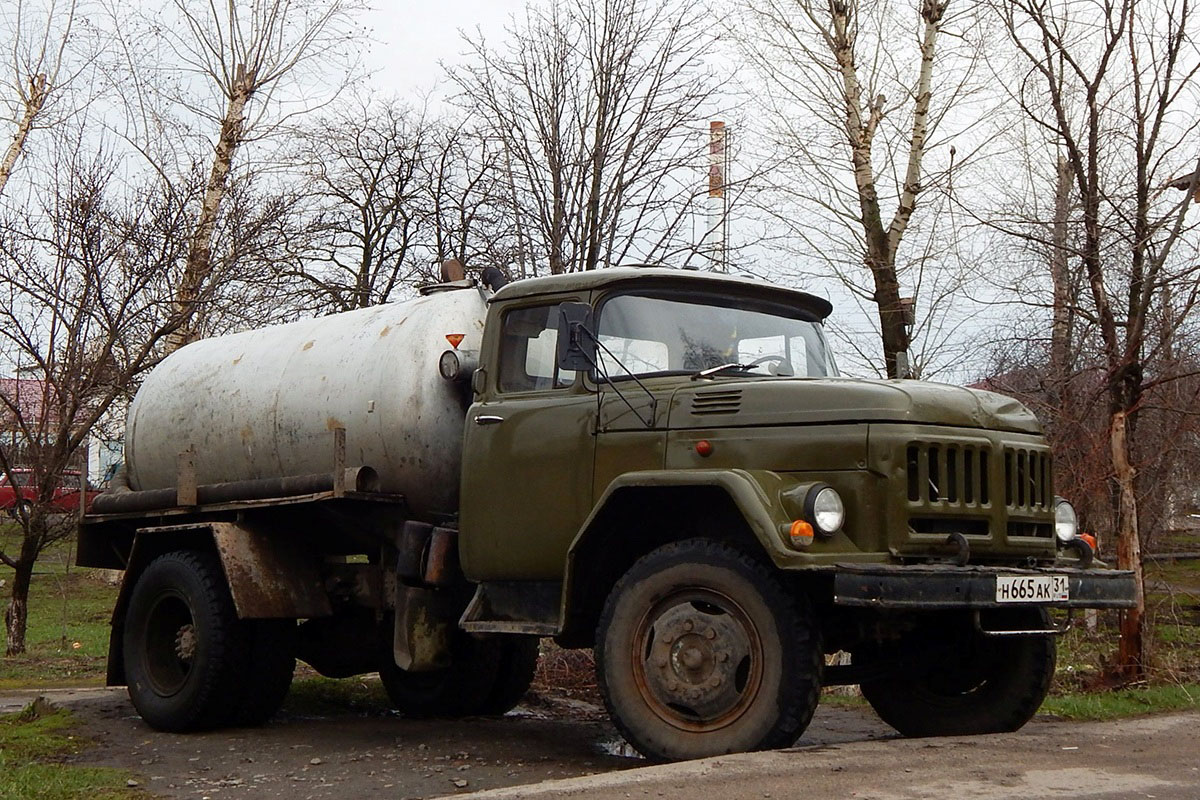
<point>1066,523</point>
<point>826,510</point>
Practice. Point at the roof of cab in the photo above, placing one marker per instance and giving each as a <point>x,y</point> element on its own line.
<point>657,277</point>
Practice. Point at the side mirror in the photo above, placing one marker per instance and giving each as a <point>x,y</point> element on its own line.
<point>576,340</point>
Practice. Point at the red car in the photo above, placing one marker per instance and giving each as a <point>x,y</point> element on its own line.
<point>65,500</point>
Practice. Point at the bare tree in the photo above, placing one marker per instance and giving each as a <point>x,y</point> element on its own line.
<point>366,166</point>
<point>82,300</point>
<point>1113,83</point>
<point>254,59</point>
<point>856,113</point>
<point>38,35</point>
<point>596,107</point>
<point>474,213</point>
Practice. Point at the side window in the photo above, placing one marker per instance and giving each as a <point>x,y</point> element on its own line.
<point>528,345</point>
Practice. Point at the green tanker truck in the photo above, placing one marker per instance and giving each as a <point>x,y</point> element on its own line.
<point>661,465</point>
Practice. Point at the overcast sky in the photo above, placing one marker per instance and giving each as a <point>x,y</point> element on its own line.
<point>411,38</point>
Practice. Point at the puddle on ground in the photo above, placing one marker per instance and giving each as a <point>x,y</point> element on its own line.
<point>619,748</point>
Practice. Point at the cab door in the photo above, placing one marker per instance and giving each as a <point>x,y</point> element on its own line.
<point>528,453</point>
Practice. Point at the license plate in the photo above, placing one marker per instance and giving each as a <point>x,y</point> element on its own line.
<point>1032,588</point>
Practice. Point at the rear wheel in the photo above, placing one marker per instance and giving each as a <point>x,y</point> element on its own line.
<point>183,645</point>
<point>953,681</point>
<point>462,689</point>
<point>518,663</point>
<point>271,644</point>
<point>701,651</point>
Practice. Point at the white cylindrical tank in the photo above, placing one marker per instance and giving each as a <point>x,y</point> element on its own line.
<point>264,403</point>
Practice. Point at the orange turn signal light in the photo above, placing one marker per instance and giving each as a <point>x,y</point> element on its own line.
<point>801,533</point>
<point>1091,540</point>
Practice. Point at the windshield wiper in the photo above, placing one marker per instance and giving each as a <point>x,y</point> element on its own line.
<point>708,373</point>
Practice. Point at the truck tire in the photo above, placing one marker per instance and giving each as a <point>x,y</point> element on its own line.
<point>271,644</point>
<point>973,684</point>
<point>460,690</point>
<point>701,651</point>
<point>518,663</point>
<point>183,643</point>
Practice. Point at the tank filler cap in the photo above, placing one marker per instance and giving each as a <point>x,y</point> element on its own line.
<point>450,286</point>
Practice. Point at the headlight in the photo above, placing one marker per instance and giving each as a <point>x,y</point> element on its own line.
<point>1066,523</point>
<point>825,509</point>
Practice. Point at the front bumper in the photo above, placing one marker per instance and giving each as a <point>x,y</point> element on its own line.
<point>931,587</point>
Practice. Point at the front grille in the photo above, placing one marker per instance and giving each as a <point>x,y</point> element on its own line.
<point>948,473</point>
<point>943,526</point>
<point>718,402</point>
<point>996,490</point>
<point>1036,530</point>
<point>1027,479</point>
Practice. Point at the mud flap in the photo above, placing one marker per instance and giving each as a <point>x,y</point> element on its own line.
<point>425,621</point>
<point>270,576</point>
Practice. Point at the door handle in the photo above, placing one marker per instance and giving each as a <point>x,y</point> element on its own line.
<point>488,419</point>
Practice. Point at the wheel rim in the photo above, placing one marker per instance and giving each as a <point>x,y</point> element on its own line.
<point>170,644</point>
<point>697,659</point>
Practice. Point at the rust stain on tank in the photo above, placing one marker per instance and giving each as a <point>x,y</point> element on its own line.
<point>386,330</point>
<point>237,360</point>
<point>333,423</point>
<point>307,346</point>
<point>247,433</point>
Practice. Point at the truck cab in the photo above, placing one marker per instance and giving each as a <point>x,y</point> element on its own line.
<point>627,413</point>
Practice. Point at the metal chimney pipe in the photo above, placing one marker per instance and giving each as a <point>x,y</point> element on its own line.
<point>717,207</point>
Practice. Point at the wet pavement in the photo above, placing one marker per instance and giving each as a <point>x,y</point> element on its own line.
<point>351,754</point>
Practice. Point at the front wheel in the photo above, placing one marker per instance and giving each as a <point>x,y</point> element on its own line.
<point>950,680</point>
<point>701,651</point>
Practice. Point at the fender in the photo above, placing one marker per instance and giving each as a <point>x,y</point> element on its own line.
<point>760,497</point>
<point>269,576</point>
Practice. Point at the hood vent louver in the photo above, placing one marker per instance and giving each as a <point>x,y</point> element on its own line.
<point>722,402</point>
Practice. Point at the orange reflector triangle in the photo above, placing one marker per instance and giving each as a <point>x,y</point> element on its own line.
<point>455,339</point>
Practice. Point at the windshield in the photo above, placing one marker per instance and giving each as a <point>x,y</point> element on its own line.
<point>658,334</point>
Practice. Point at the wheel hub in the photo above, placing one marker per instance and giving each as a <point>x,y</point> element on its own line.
<point>185,643</point>
<point>698,662</point>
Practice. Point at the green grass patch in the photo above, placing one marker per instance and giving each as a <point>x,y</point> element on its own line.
<point>69,612</point>
<point>842,699</point>
<point>316,696</point>
<point>33,744</point>
<point>1123,702</point>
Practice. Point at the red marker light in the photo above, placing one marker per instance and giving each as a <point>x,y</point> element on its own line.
<point>455,339</point>
<point>704,448</point>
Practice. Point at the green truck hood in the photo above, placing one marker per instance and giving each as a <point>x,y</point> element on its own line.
<point>784,401</point>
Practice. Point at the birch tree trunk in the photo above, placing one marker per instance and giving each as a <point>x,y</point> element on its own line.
<point>189,297</point>
<point>882,243</point>
<point>38,90</point>
<point>1060,330</point>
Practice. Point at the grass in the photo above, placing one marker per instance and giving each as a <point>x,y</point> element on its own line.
<point>1123,702</point>
<point>33,744</point>
<point>69,612</point>
<point>312,695</point>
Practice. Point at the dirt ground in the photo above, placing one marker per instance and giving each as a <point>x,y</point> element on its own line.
<point>350,755</point>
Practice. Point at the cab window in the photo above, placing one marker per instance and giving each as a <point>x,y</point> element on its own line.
<point>528,350</point>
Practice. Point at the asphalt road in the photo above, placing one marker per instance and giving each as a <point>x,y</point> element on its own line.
<point>1148,757</point>
<point>548,748</point>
